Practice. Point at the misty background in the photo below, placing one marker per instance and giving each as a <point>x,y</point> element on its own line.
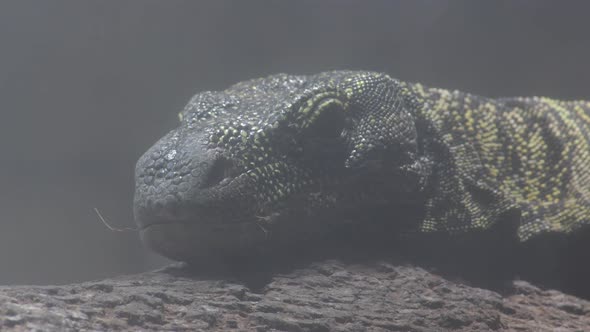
<point>87,86</point>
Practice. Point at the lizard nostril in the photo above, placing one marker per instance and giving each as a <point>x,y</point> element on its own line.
<point>222,168</point>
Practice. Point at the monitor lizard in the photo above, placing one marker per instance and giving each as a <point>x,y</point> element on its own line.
<point>282,158</point>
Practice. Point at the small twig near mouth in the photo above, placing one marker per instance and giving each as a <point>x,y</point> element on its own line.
<point>263,220</point>
<point>263,230</point>
<point>124,229</point>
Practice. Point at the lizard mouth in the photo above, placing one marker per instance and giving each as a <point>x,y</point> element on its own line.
<point>190,241</point>
<point>212,217</point>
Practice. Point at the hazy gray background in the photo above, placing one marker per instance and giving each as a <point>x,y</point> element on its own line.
<point>87,86</point>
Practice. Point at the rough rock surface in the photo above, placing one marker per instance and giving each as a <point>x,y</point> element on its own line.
<point>329,295</point>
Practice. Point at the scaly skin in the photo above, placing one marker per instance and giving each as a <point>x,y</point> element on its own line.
<point>285,158</point>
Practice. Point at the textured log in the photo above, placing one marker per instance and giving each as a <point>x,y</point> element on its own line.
<point>329,295</point>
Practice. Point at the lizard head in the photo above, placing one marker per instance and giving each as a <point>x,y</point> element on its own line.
<point>260,162</point>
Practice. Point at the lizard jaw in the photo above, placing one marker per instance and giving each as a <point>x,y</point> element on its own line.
<point>190,241</point>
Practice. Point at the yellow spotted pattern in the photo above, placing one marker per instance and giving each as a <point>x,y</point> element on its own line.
<point>526,155</point>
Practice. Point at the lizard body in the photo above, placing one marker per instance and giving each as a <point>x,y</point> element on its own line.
<point>273,158</point>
